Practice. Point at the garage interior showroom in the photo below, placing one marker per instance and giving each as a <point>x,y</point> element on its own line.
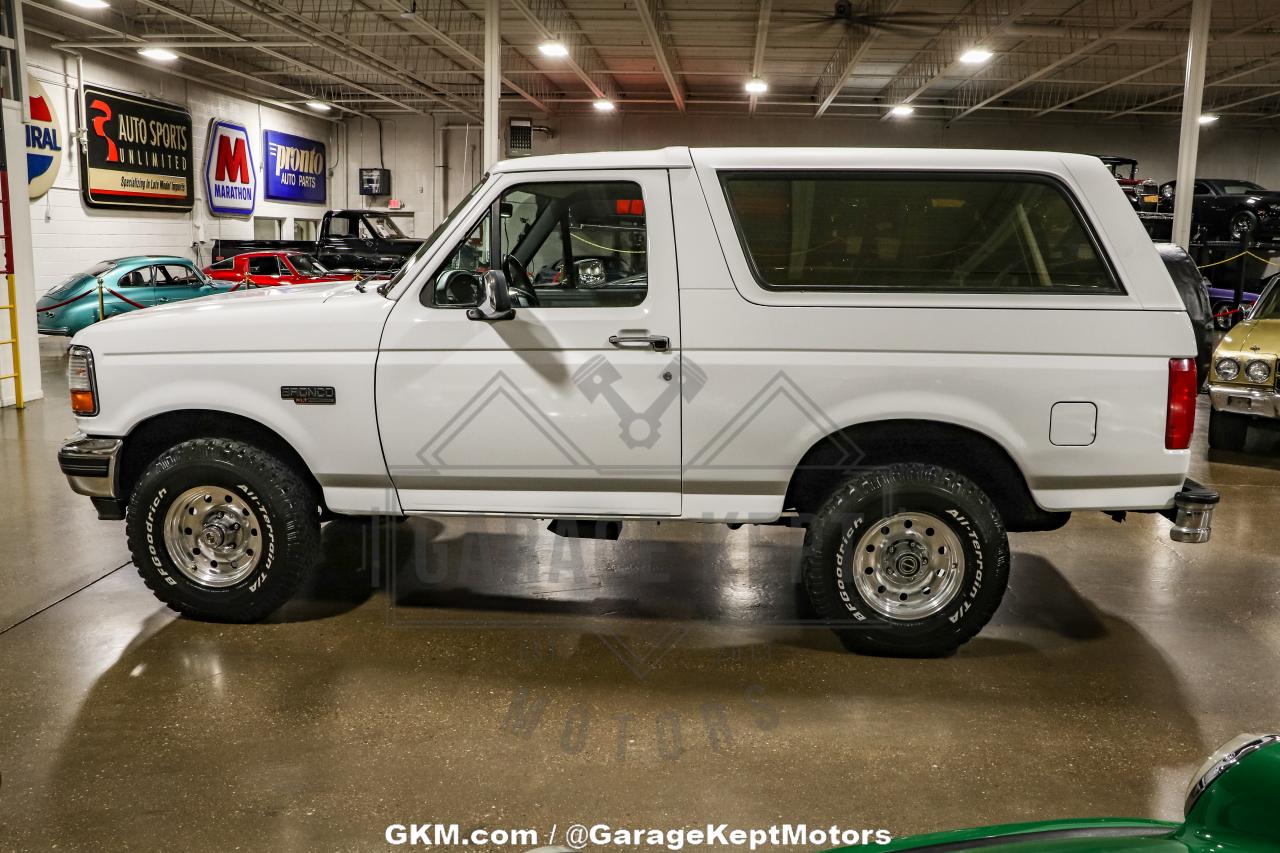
<point>639,424</point>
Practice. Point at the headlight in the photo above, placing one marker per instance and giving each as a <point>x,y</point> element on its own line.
<point>1221,761</point>
<point>1258,371</point>
<point>1227,368</point>
<point>81,381</point>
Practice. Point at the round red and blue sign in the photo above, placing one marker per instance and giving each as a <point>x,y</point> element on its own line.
<point>44,140</point>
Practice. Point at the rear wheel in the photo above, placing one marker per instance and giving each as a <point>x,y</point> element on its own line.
<point>1243,222</point>
<point>1227,431</point>
<point>908,560</point>
<point>222,530</point>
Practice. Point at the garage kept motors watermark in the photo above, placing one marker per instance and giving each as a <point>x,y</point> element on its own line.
<point>138,152</point>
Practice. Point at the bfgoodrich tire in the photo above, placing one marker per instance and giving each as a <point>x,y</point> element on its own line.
<point>909,560</point>
<point>223,531</point>
<point>1227,431</point>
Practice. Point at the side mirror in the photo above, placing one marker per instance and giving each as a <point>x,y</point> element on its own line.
<point>496,304</point>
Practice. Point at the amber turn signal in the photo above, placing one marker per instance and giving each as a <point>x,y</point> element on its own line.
<point>83,403</point>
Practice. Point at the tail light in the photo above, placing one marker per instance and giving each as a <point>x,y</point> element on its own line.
<point>1180,419</point>
<point>81,381</point>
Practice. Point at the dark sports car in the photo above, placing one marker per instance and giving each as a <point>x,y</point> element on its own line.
<point>1228,209</point>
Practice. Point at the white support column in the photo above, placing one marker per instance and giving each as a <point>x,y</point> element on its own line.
<point>1189,138</point>
<point>492,82</point>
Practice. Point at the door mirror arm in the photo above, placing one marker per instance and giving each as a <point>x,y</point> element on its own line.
<point>496,304</point>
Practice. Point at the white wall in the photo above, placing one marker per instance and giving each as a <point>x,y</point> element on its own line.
<point>68,236</point>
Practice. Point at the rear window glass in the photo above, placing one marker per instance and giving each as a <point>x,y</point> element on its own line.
<point>914,232</point>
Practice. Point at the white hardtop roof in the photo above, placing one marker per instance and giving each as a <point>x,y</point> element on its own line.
<point>806,158</point>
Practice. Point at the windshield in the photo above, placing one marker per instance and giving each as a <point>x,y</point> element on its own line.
<point>385,227</point>
<point>1268,307</point>
<point>412,261</point>
<point>1240,188</point>
<point>306,265</point>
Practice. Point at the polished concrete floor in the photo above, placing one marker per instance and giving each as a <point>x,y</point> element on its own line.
<point>492,675</point>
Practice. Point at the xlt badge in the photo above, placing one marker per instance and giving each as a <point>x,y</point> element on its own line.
<point>309,395</point>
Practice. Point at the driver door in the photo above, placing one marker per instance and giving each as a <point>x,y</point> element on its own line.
<point>569,408</point>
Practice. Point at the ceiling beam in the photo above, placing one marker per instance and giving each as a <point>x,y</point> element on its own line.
<point>973,27</point>
<point>553,22</point>
<point>339,45</point>
<point>655,24</point>
<point>849,53</point>
<point>57,44</point>
<point>1028,75</point>
<point>757,55</point>
<point>512,59</point>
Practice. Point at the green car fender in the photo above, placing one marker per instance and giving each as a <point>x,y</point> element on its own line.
<point>1233,804</point>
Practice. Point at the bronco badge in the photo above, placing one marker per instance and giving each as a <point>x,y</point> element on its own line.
<point>309,395</point>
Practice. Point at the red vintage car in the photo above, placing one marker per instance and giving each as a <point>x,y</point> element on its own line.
<point>268,269</point>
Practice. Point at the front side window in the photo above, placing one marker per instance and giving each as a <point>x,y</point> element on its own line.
<point>264,265</point>
<point>571,244</point>
<point>384,227</point>
<point>914,232</point>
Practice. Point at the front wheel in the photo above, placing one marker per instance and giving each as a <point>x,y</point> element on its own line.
<point>222,530</point>
<point>1243,222</point>
<point>1227,431</point>
<point>908,560</point>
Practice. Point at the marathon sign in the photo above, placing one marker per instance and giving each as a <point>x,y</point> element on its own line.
<point>295,168</point>
<point>44,140</point>
<point>138,153</point>
<point>230,181</point>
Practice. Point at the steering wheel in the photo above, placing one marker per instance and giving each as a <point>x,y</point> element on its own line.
<point>518,282</point>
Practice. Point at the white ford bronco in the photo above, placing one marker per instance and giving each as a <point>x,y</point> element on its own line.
<point>906,352</point>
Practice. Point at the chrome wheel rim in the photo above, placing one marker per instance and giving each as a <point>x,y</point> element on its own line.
<point>908,566</point>
<point>213,536</point>
<point>1240,225</point>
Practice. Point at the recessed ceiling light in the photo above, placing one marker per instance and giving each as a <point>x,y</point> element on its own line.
<point>975,56</point>
<point>89,4</point>
<point>554,49</point>
<point>756,86</point>
<point>1208,118</point>
<point>604,105</point>
<point>902,110</point>
<point>319,106</point>
<point>159,54</point>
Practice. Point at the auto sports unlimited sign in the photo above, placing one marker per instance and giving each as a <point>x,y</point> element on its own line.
<point>230,181</point>
<point>295,168</point>
<point>139,152</point>
<point>44,140</point>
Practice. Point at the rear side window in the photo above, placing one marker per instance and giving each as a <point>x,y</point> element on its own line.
<point>922,232</point>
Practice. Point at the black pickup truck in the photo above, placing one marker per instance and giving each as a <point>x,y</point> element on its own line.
<point>362,240</point>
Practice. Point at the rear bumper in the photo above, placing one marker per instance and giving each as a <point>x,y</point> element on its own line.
<point>1192,513</point>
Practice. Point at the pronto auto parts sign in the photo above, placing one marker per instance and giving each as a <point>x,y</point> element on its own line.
<point>295,168</point>
<point>139,152</point>
<point>44,140</point>
<point>230,181</point>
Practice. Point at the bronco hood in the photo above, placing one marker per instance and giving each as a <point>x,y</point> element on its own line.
<point>314,317</point>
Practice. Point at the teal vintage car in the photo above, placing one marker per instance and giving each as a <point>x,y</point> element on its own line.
<point>117,286</point>
<point>1230,806</point>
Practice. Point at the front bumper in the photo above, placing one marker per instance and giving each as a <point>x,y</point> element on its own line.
<point>91,465</point>
<point>1243,400</point>
<point>1192,513</point>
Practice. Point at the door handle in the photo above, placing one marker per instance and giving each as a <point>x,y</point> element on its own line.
<point>163,299</point>
<point>658,343</point>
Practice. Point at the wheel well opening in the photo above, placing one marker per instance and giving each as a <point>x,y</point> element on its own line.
<point>843,453</point>
<point>157,434</point>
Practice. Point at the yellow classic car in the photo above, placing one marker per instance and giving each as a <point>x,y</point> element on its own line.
<point>1242,381</point>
